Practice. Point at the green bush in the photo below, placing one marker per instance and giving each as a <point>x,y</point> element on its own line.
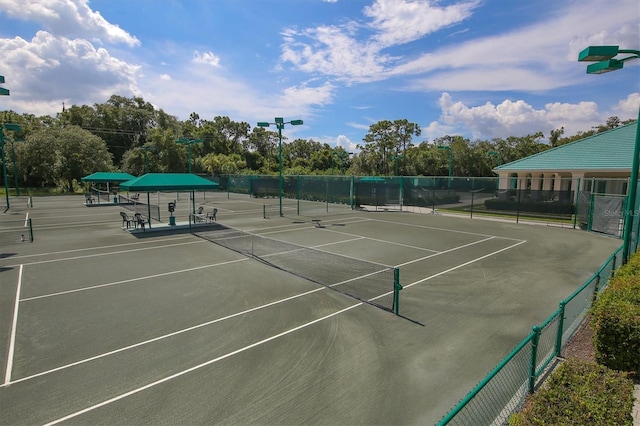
<point>615,321</point>
<point>580,393</point>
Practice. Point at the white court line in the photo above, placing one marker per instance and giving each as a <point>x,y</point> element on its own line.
<point>464,264</point>
<point>26,219</point>
<point>147,277</point>
<point>111,253</point>
<point>385,241</point>
<point>14,323</point>
<point>52,253</point>
<point>197,367</point>
<point>451,269</point>
<point>165,336</point>
<point>446,251</point>
<point>444,229</point>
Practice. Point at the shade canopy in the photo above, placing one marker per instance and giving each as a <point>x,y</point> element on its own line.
<point>152,182</point>
<point>106,177</point>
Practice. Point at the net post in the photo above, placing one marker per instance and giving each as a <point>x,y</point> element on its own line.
<point>396,290</point>
<point>264,211</point>
<point>30,230</point>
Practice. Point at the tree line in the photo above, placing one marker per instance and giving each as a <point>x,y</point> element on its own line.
<point>131,135</point>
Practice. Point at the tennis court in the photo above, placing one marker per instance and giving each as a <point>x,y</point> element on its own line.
<point>99,326</point>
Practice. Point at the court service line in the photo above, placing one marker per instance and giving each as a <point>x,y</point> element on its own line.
<point>445,229</point>
<point>465,264</point>
<point>199,366</point>
<point>26,219</point>
<point>111,253</point>
<point>147,277</point>
<point>52,253</point>
<point>14,323</point>
<point>386,241</point>
<point>164,336</point>
<point>446,251</point>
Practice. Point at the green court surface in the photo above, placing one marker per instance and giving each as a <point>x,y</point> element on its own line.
<point>101,326</point>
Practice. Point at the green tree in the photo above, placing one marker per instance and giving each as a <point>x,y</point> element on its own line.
<point>61,156</point>
<point>385,140</point>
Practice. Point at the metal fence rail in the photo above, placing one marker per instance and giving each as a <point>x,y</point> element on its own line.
<point>502,392</point>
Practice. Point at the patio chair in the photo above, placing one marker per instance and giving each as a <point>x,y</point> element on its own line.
<point>211,216</point>
<point>139,220</point>
<point>126,219</point>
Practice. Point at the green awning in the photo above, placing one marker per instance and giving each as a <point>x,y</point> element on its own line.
<point>152,182</point>
<point>106,177</point>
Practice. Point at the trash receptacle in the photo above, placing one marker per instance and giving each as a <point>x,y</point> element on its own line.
<point>172,220</point>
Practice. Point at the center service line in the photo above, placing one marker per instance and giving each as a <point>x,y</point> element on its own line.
<point>14,323</point>
<point>197,367</point>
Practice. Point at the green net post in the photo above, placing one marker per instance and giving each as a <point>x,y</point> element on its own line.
<point>30,230</point>
<point>533,360</point>
<point>396,290</point>
<point>264,211</point>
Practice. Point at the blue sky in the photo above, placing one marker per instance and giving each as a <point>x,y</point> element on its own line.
<point>477,68</point>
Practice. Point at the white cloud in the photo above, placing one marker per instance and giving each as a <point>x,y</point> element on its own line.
<point>517,118</point>
<point>344,52</point>
<point>398,22</point>
<point>305,95</point>
<point>345,142</point>
<point>68,18</point>
<point>48,70</point>
<point>628,108</point>
<point>207,58</point>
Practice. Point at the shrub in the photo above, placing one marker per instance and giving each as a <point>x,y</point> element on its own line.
<point>616,321</point>
<point>580,393</point>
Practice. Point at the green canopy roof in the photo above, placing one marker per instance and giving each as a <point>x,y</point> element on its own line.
<point>105,177</point>
<point>167,182</point>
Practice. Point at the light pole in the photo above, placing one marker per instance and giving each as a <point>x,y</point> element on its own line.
<point>14,128</point>
<point>603,58</point>
<point>145,149</point>
<point>279,123</point>
<point>188,142</point>
<point>496,154</point>
<point>342,155</point>
<point>447,147</point>
<point>395,159</point>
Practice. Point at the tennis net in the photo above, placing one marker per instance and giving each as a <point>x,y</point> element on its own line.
<point>101,195</point>
<point>366,281</point>
<point>14,232</point>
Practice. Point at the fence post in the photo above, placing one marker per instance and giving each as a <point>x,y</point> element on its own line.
<point>596,287</point>
<point>534,357</point>
<point>560,328</point>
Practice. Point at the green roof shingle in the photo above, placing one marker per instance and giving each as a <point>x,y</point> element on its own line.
<point>610,150</point>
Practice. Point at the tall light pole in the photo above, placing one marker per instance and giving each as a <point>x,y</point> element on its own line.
<point>188,142</point>
<point>14,128</point>
<point>342,155</point>
<point>395,159</point>
<point>279,123</point>
<point>603,58</point>
<point>496,154</point>
<point>447,147</point>
<point>145,149</point>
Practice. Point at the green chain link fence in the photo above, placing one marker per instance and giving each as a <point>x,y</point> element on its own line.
<point>502,392</point>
